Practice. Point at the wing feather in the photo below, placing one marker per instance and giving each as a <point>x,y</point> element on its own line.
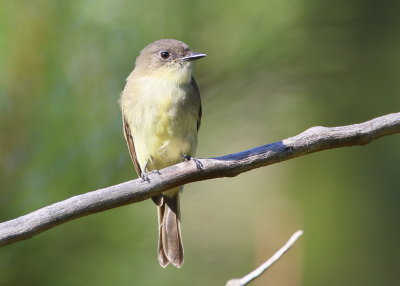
<point>131,145</point>
<point>158,199</point>
<point>197,94</point>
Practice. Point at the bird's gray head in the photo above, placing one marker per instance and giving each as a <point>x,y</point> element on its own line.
<point>166,56</point>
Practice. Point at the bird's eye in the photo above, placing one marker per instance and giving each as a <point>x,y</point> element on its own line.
<point>164,55</point>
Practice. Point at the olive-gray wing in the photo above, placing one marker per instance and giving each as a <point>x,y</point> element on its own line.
<point>158,200</point>
<point>131,145</point>
<point>197,94</point>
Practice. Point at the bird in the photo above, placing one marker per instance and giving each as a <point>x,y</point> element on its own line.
<point>161,115</point>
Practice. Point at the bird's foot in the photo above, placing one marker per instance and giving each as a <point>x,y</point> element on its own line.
<point>145,175</point>
<point>199,165</point>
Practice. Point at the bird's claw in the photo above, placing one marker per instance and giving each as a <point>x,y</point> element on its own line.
<point>199,165</point>
<point>145,175</point>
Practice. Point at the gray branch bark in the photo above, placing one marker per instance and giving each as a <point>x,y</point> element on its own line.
<point>312,140</point>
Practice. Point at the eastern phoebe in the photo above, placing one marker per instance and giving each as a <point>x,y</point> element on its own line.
<point>161,113</point>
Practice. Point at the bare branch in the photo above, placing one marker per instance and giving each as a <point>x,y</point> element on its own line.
<point>267,264</point>
<point>312,140</point>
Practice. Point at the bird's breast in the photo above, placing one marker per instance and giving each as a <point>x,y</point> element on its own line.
<point>165,121</point>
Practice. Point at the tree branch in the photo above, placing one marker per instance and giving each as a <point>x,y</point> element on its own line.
<point>312,140</point>
<point>267,264</point>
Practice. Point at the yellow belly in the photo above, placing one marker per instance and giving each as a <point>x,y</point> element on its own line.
<point>164,126</point>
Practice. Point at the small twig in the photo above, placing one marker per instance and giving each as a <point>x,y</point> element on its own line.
<point>267,264</point>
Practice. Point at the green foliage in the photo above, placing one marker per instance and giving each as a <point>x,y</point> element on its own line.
<point>274,68</point>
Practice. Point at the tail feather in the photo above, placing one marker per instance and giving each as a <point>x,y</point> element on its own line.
<point>170,247</point>
<point>162,259</point>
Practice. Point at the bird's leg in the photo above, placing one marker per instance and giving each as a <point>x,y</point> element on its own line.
<point>145,177</point>
<point>186,158</point>
<point>145,174</point>
<point>199,165</point>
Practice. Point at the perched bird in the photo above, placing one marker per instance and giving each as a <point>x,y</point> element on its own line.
<point>161,113</point>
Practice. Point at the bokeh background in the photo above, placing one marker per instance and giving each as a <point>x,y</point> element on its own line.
<point>274,68</point>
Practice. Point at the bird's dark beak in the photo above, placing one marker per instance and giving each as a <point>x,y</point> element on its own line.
<point>192,56</point>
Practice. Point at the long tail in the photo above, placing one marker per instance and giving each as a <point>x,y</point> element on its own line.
<point>170,247</point>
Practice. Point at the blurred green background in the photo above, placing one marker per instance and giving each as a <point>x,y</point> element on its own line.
<point>274,68</point>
